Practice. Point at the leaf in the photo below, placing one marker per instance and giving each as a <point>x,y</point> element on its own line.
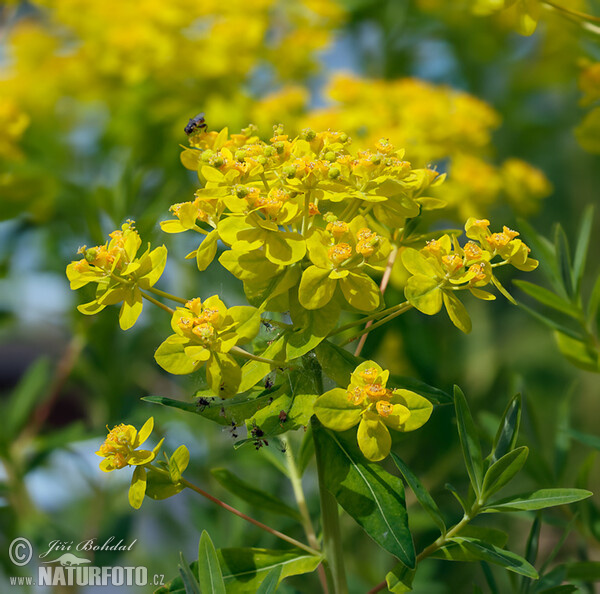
<point>137,490</point>
<point>492,554</point>
<point>544,251</point>
<point>457,312</point>
<point>178,462</point>
<point>422,495</point>
<point>369,494</point>
<point>469,441</point>
<point>209,569</point>
<point>400,579</point>
<point>27,394</point>
<point>253,495</point>
<point>551,323</point>
<point>270,583</point>
<point>592,441</point>
<point>540,499</point>
<point>307,451</point>
<point>546,297</point>
<point>563,257</point>
<point>503,471</point>
<point>452,551</point>
<point>533,540</point>
<point>457,496</point>
<point>316,288</point>
<point>207,250</point>
<point>244,569</point>
<point>586,571</point>
<point>335,411</point>
<point>508,430</point>
<point>577,352</point>
<point>187,577</point>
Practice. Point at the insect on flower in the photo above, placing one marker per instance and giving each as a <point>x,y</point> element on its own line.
<point>196,123</point>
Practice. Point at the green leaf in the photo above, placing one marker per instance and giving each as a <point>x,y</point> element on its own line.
<point>566,589</point>
<point>594,302</point>
<point>551,323</point>
<point>187,577</point>
<point>210,576</point>
<point>244,569</point>
<point>369,494</point>
<point>533,540</point>
<point>546,297</point>
<point>28,393</point>
<point>316,288</point>
<point>592,441</point>
<point>586,571</point>
<point>457,312</point>
<point>540,499</point>
<point>422,495</point>
<point>253,495</point>
<point>457,496</point>
<point>583,242</point>
<point>453,551</point>
<point>492,554</point>
<point>223,375</point>
<point>400,579</point>
<point>307,451</point>
<point>469,440</point>
<point>160,486</point>
<point>335,411</point>
<point>270,583</point>
<point>170,355</point>
<point>503,471</point>
<point>563,257</point>
<point>508,430</point>
<point>582,355</point>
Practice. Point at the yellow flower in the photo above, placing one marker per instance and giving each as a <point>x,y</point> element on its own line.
<point>120,449</point>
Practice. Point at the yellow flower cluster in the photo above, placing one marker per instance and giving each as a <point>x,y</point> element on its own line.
<point>432,122</point>
<point>13,123</point>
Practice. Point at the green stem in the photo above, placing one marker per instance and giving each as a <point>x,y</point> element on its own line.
<point>366,319</point>
<point>263,177</point>
<point>306,209</point>
<point>167,295</point>
<point>242,353</point>
<point>296,481</point>
<point>157,303</point>
<point>332,539</point>
<point>238,513</point>
<point>385,320</point>
<point>574,13</point>
<point>438,543</point>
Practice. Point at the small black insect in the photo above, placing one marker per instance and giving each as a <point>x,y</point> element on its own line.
<point>202,403</point>
<point>267,325</point>
<point>269,383</point>
<point>270,400</point>
<point>257,434</point>
<point>222,412</point>
<point>282,417</point>
<point>196,123</point>
<point>233,428</point>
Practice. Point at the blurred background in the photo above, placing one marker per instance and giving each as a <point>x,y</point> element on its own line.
<point>94,97</point>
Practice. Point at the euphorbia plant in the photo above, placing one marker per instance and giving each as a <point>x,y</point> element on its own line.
<point>309,225</point>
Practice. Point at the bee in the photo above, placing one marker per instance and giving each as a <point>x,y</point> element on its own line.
<point>196,123</point>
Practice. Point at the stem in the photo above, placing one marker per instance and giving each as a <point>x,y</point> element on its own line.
<point>361,321</point>
<point>382,287</point>
<point>238,513</point>
<point>263,177</point>
<point>157,303</point>
<point>389,318</point>
<point>574,13</point>
<point>332,539</point>
<point>296,481</point>
<point>440,542</point>
<point>242,353</point>
<point>306,209</point>
<point>167,295</point>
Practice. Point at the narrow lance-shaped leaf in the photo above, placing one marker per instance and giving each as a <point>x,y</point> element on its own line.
<point>369,494</point>
<point>583,242</point>
<point>503,471</point>
<point>537,500</point>
<point>422,495</point>
<point>508,430</point>
<point>209,570</point>
<point>492,554</point>
<point>270,583</point>
<point>253,495</point>
<point>469,440</point>
<point>189,581</point>
<point>546,297</point>
<point>561,245</point>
